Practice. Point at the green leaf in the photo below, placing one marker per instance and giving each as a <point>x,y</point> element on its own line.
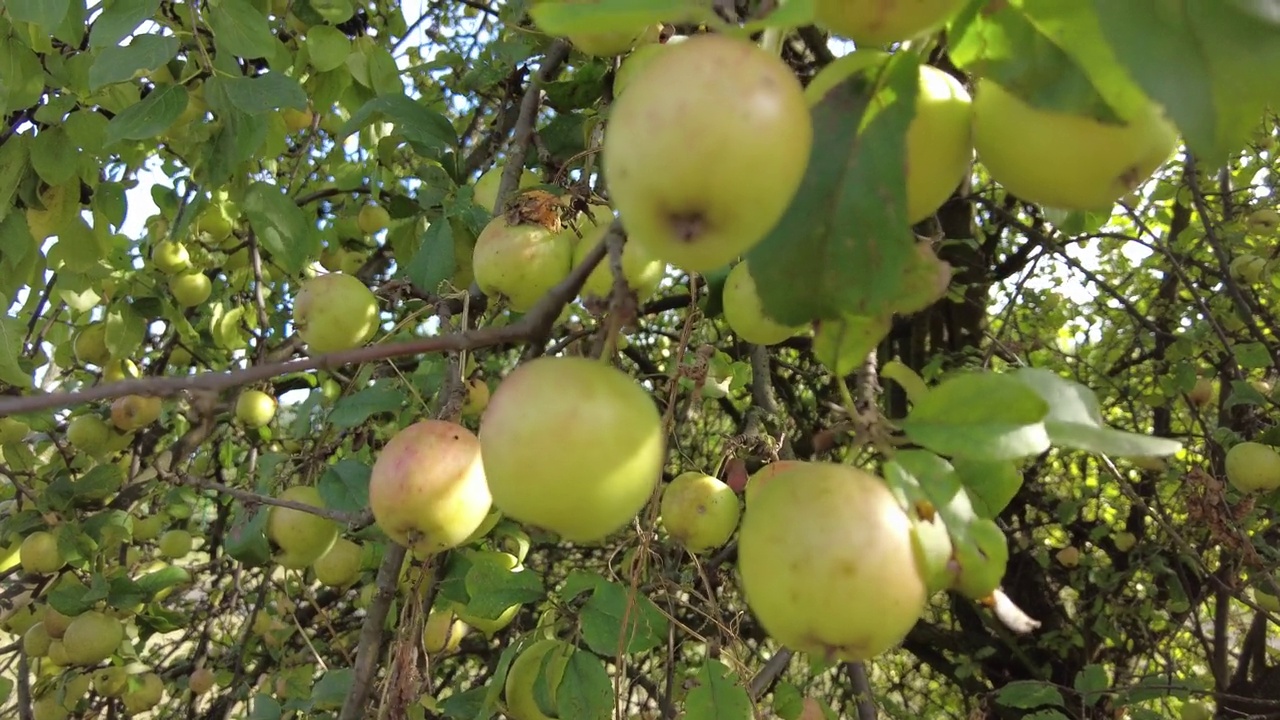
<point>47,14</point>
<point>22,76</point>
<point>100,483</point>
<point>12,332</point>
<point>1200,60</point>
<point>492,588</point>
<point>154,583</point>
<point>616,618</point>
<point>1028,694</point>
<point>1252,355</point>
<point>846,229</point>
<point>345,485</point>
<point>327,47</point>
<point>585,690</point>
<point>144,53</point>
<point>280,225</point>
<point>352,410</point>
<point>991,485</point>
<point>1075,420</point>
<point>53,156</point>
<point>149,117</point>
<point>434,261</point>
<point>125,593</point>
<point>265,92</point>
<point>69,599</point>
<point>246,541</point>
<point>417,123</point>
<point>983,416</point>
<point>1091,682</point>
<point>14,162</point>
<point>240,29</point>
<point>266,707</point>
<point>563,18</point>
<point>126,328</point>
<point>119,18</point>
<point>330,691</point>
<point>719,695</point>
<point>240,137</point>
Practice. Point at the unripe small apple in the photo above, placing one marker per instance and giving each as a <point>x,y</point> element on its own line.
<point>1264,221</point>
<point>175,544</point>
<point>90,345</point>
<point>170,257</point>
<point>302,537</point>
<point>88,434</point>
<point>485,192</point>
<point>1069,556</point>
<point>1202,393</point>
<point>699,511</point>
<point>373,219</point>
<point>111,681</point>
<point>442,633</point>
<point>146,695</point>
<point>36,640</point>
<point>1125,541</point>
<point>117,370</point>
<point>133,412</point>
<point>190,289</point>
<point>297,120</point>
<point>339,567</point>
<point>255,408</point>
<point>148,527</point>
<point>1253,467</point>
<point>201,680</point>
<point>641,270</point>
<point>1248,268</point>
<point>39,553</point>
<point>216,222</point>
<point>477,398</point>
<point>335,312</point>
<point>13,431</point>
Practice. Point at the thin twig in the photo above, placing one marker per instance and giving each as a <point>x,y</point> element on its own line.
<point>864,701</point>
<point>370,647</point>
<point>525,123</point>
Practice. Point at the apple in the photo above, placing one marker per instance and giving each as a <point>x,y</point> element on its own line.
<point>1066,161</point>
<point>880,22</point>
<point>216,222</point>
<point>92,637</point>
<point>145,693</point>
<point>1248,268</point>
<point>48,708</point>
<point>117,370</point>
<point>827,563</point>
<point>111,681</point>
<point>170,257</point>
<point>1263,221</point>
<point>1069,556</point>
<point>297,120</point>
<point>442,633</point>
<point>190,289</point>
<point>255,408</point>
<point>522,678</point>
<point>609,446</point>
<point>761,477</point>
<point>485,192</point>
<point>89,434</point>
<point>618,42</point>
<point>133,412</point>
<point>90,345</point>
<point>201,680</point>
<point>301,536</point>
<point>373,219</point>
<point>36,640</point>
<point>477,398</point>
<point>339,567</point>
<point>427,489</point>
<point>13,431</point>
<point>55,623</point>
<point>683,154</point>
<point>745,313</point>
<point>1252,466</point>
<point>1201,393</point>
<point>638,60</point>
<point>641,270</point>
<point>335,312</point>
<point>939,152</point>
<point>39,554</point>
<point>699,511</point>
<point>1195,711</point>
<point>175,544</point>
<point>58,654</point>
<point>520,262</point>
<point>1124,541</point>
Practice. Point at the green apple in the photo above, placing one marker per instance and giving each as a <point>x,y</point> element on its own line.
<point>335,312</point>
<point>641,270</point>
<point>699,511</point>
<point>764,475</point>
<point>55,623</point>
<point>590,412</point>
<point>191,288</point>
<point>302,537</point>
<point>1264,222</point>
<point>638,60</point>
<point>39,553</point>
<point>427,489</point>
<point>148,527</point>
<point>939,152</point>
<point>522,678</point>
<point>170,257</point>
<point>145,692</point>
<point>175,544</point>
<point>1248,268</point>
<point>255,408</point>
<point>92,637</point>
<point>1202,392</point>
<point>744,311</point>
<point>442,633</point>
<point>1063,160</point>
<point>881,22</point>
<point>477,398</point>
<point>111,681</point>
<point>117,370</point>
<point>339,567</point>
<point>90,345</point>
<point>683,156</point>
<point>485,192</point>
<point>373,219</point>
<point>13,431</point>
<point>36,640</point>
<point>1253,467</point>
<point>216,221</point>
<point>520,262</point>
<point>828,564</point>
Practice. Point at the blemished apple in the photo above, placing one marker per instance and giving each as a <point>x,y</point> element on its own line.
<point>133,412</point>
<point>588,411</point>
<point>939,152</point>
<point>427,489</point>
<point>255,408</point>
<point>682,154</point>
<point>39,553</point>
<point>485,192</point>
<point>201,680</point>
<point>699,511</point>
<point>1253,467</point>
<point>302,537</point>
<point>745,313</point>
<point>190,289</point>
<point>335,312</point>
<point>339,567</point>
<point>373,219</point>
<point>92,637</point>
<point>111,681</point>
<point>1066,161</point>
<point>641,270</point>
<point>880,22</point>
<point>170,257</point>
<point>827,563</point>
<point>478,394</point>
<point>175,544</point>
<point>520,262</point>
<point>523,677</point>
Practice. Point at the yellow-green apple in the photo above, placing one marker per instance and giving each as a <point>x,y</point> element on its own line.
<point>39,553</point>
<point>641,270</point>
<point>170,257</point>
<point>255,408</point>
<point>175,544</point>
<point>745,313</point>
<point>190,289</point>
<point>340,566</point>
<point>520,262</point>
<point>477,398</point>
<point>442,633</point>
<point>133,412</point>
<point>1253,467</point>
<point>699,511</point>
<point>301,536</point>
<point>92,637</point>
<point>522,678</point>
<point>761,477</point>
<point>117,370</point>
<point>335,312</point>
<point>201,680</point>
<point>486,189</point>
<point>373,219</point>
<point>13,431</point>
<point>90,345</point>
<point>145,692</point>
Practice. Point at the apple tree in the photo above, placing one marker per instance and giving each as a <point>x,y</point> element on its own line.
<point>594,359</point>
